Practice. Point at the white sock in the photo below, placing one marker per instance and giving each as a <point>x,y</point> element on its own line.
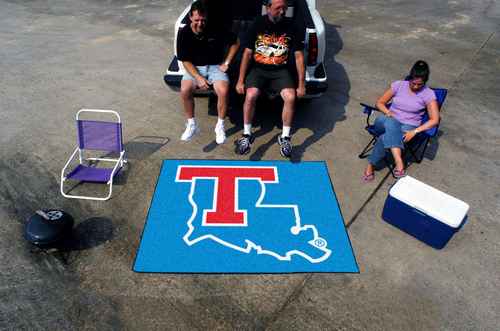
<point>220,121</point>
<point>191,121</point>
<point>286,131</point>
<point>247,128</point>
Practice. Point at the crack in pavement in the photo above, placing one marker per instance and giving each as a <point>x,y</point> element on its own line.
<point>474,58</point>
<point>292,297</point>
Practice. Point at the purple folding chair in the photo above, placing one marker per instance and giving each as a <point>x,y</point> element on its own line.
<point>100,136</point>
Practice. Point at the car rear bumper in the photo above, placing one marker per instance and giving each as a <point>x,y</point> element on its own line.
<point>314,86</point>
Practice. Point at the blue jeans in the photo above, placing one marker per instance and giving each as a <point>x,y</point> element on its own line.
<point>390,132</point>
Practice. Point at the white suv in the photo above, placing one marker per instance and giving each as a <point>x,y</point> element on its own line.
<point>303,12</point>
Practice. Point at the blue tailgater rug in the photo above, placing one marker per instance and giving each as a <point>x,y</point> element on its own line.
<point>211,216</point>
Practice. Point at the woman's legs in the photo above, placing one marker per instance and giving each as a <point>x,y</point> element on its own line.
<point>391,133</point>
<point>377,154</point>
<point>393,139</point>
<point>398,160</point>
<point>397,151</point>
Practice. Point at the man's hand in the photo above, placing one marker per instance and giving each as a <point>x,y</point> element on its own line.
<point>223,67</point>
<point>301,91</point>
<point>408,135</point>
<point>240,87</point>
<point>202,83</point>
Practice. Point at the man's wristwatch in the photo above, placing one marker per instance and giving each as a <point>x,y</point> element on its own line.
<point>227,63</point>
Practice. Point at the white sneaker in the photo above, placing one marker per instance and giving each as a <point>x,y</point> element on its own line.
<point>190,132</point>
<point>220,134</point>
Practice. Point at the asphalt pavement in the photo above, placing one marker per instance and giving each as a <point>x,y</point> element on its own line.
<point>59,56</point>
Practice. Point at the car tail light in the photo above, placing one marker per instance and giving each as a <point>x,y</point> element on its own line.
<point>312,49</point>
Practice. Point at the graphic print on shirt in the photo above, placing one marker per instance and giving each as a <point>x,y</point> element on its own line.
<point>272,49</point>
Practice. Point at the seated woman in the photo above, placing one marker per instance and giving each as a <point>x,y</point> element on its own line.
<point>402,120</point>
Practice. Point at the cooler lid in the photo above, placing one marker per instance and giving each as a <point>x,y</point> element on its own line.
<point>439,205</point>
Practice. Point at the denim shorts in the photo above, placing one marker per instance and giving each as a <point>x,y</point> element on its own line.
<point>211,72</point>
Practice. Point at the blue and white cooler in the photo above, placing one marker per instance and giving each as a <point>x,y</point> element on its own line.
<point>424,212</point>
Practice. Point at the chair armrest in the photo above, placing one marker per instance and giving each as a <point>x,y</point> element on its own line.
<point>367,109</point>
<point>432,132</point>
<point>118,163</point>
<point>68,162</point>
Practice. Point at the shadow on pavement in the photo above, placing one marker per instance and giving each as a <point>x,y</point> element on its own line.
<point>89,233</point>
<point>320,115</point>
<point>141,147</point>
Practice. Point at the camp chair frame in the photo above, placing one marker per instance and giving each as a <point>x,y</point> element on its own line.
<point>413,146</point>
<point>92,174</point>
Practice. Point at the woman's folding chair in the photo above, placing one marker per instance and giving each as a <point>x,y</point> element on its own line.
<point>415,147</point>
<point>95,136</point>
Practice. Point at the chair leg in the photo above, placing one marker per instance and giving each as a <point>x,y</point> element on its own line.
<point>391,167</point>
<point>367,148</point>
<point>418,157</point>
<point>71,196</point>
<point>423,151</point>
<point>390,164</point>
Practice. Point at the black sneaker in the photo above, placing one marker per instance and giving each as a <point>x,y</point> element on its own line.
<point>285,146</point>
<point>244,144</point>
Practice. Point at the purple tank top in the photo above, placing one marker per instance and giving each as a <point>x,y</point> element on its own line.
<point>409,107</point>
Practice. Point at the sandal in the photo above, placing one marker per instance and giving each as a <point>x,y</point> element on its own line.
<point>399,173</point>
<point>368,177</point>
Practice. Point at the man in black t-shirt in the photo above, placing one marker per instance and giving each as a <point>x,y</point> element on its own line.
<point>202,52</point>
<point>272,41</point>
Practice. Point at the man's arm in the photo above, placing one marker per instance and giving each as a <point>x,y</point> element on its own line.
<point>245,61</point>
<point>201,82</point>
<point>230,56</point>
<point>301,73</point>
